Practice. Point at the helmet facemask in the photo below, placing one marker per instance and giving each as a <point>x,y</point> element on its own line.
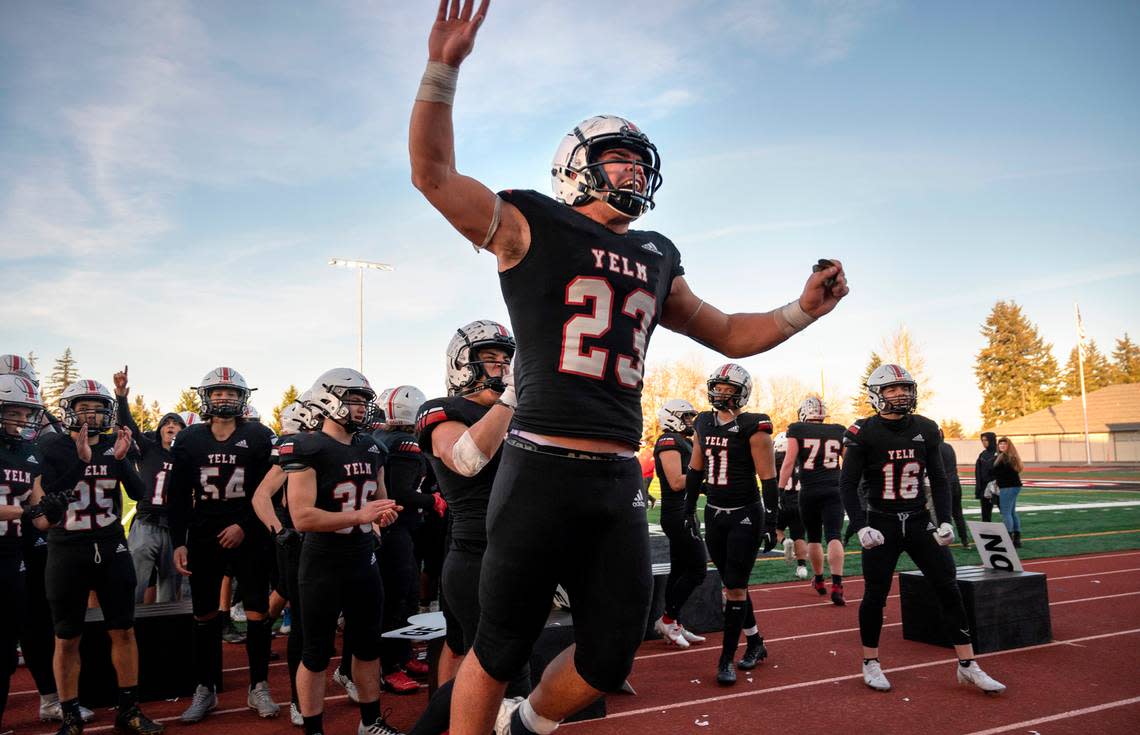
<point>630,200</point>
<point>223,408</point>
<point>723,401</point>
<point>99,417</point>
<point>20,421</point>
<point>903,404</point>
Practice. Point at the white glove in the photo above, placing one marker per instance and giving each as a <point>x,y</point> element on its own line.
<point>870,537</point>
<point>508,395</point>
<point>944,534</point>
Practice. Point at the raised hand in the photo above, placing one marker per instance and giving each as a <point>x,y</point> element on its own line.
<point>121,389</point>
<point>820,297</point>
<point>122,442</point>
<point>453,33</point>
<point>82,445</point>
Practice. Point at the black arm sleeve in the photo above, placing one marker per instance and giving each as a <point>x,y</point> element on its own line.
<point>939,486</point>
<point>180,498</point>
<point>693,481</point>
<point>127,420</point>
<point>131,481</point>
<point>770,491</point>
<point>401,476</point>
<point>852,472</point>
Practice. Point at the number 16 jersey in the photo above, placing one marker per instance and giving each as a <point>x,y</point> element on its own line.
<point>583,301</point>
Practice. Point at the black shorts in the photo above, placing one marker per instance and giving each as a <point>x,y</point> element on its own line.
<point>578,522</point>
<point>11,611</point>
<point>334,580</point>
<point>75,569</point>
<point>460,579</point>
<point>822,514</point>
<point>733,538</point>
<point>789,516</point>
<point>249,564</point>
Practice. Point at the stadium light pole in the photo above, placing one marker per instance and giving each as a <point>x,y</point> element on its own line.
<point>360,266</point>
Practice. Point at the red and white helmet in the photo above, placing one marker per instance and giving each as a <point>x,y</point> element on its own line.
<point>190,418</point>
<point>677,415</point>
<point>223,377</point>
<point>291,419</point>
<point>330,390</point>
<point>17,390</point>
<point>309,417</point>
<point>401,404</point>
<point>16,365</point>
<point>87,390</point>
<point>888,375</point>
<point>732,374</point>
<point>465,374</point>
<point>780,443</point>
<point>250,413</point>
<point>577,174</point>
<point>812,409</point>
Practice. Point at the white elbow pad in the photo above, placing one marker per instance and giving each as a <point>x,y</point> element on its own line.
<point>466,457</point>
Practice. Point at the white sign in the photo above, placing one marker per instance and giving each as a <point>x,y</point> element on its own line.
<point>995,546</point>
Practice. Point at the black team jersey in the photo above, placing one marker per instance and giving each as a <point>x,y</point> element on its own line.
<point>213,481</point>
<point>96,509</point>
<point>584,302</point>
<point>730,473</point>
<point>818,460</point>
<point>404,473</point>
<point>19,464</point>
<point>154,465</point>
<point>671,441</point>
<point>346,481</point>
<point>466,497</point>
<point>893,458</point>
<point>280,499</point>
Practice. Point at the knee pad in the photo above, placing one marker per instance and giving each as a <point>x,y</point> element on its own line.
<point>68,629</point>
<point>315,660</point>
<point>501,661</point>
<point>604,669</point>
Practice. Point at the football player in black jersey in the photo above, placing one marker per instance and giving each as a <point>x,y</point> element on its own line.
<point>20,411</point>
<point>149,539</point>
<point>894,451</point>
<point>584,292</point>
<point>789,525</point>
<point>20,366</point>
<point>814,450</point>
<point>217,467</point>
<point>79,498</point>
<point>336,495</point>
<point>687,557</point>
<point>731,448</point>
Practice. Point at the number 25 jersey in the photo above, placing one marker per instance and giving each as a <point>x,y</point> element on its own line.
<point>583,301</point>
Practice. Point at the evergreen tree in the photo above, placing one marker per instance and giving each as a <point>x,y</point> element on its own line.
<point>188,401</point>
<point>1016,371</point>
<point>287,398</point>
<point>1125,359</point>
<point>1098,371</point>
<point>952,429</point>
<point>63,373</point>
<point>156,412</point>
<point>141,414</point>
<point>861,404</point>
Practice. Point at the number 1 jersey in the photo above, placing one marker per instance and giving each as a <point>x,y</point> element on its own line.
<point>584,302</point>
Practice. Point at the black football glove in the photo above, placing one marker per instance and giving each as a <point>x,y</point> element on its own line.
<point>692,526</point>
<point>286,537</point>
<point>768,537</point>
<point>54,506</point>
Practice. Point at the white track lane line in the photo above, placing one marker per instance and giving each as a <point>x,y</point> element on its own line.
<point>1059,716</point>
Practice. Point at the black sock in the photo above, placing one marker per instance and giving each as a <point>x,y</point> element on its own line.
<point>128,698</point>
<point>733,619</point>
<point>801,562</point>
<point>965,662</point>
<point>208,650</point>
<point>258,636</point>
<point>819,578</point>
<point>518,727</point>
<point>837,579</point>
<point>869,660</point>
<point>70,709</point>
<point>314,725</point>
<point>369,712</point>
<point>749,620</point>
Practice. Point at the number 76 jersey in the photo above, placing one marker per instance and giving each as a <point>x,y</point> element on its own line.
<point>584,302</point>
<point>820,446</point>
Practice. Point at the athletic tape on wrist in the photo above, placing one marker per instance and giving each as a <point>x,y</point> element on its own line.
<point>791,318</point>
<point>438,83</point>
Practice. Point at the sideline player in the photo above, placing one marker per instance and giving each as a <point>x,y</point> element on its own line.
<point>80,502</point>
<point>814,450</point>
<point>731,447</point>
<point>789,525</point>
<point>335,495</point>
<point>214,529</point>
<point>893,450</point>
<point>688,560</point>
<point>585,293</point>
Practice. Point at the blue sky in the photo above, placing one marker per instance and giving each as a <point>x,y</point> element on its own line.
<point>173,176</point>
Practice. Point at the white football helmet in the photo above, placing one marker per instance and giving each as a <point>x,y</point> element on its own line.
<point>677,415</point>
<point>732,374</point>
<point>17,390</point>
<point>887,375</point>
<point>401,404</point>
<point>465,374</point>
<point>189,418</point>
<point>250,413</point>
<point>780,443</point>
<point>87,390</point>
<point>16,365</point>
<point>223,377</point>
<point>328,394</point>
<point>291,419</point>
<point>578,176</point>
<point>812,409</point>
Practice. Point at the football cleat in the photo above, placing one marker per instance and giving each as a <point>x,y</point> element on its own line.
<point>134,721</point>
<point>379,727</point>
<point>503,719</point>
<point>801,573</point>
<point>349,686</point>
<point>974,675</point>
<point>52,711</point>
<point>692,637</point>
<point>754,653</point>
<point>837,595</point>
<point>789,551</point>
<point>819,587</point>
<point>70,728</point>
<point>415,667</point>
<point>671,632</point>
<point>261,699</point>
<point>295,715</point>
<point>204,700</point>
<point>231,633</point>
<point>873,676</point>
<point>399,683</point>
<point>725,673</point>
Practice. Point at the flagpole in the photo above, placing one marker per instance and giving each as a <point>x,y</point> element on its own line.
<point>1081,369</point>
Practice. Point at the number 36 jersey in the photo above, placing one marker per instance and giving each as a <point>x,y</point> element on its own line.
<point>583,301</point>
<point>213,481</point>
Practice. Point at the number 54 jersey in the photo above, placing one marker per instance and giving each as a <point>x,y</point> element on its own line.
<point>584,302</point>
<point>213,481</point>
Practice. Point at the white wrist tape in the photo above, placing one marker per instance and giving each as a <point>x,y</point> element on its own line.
<point>467,457</point>
<point>493,227</point>
<point>438,83</point>
<point>791,318</point>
